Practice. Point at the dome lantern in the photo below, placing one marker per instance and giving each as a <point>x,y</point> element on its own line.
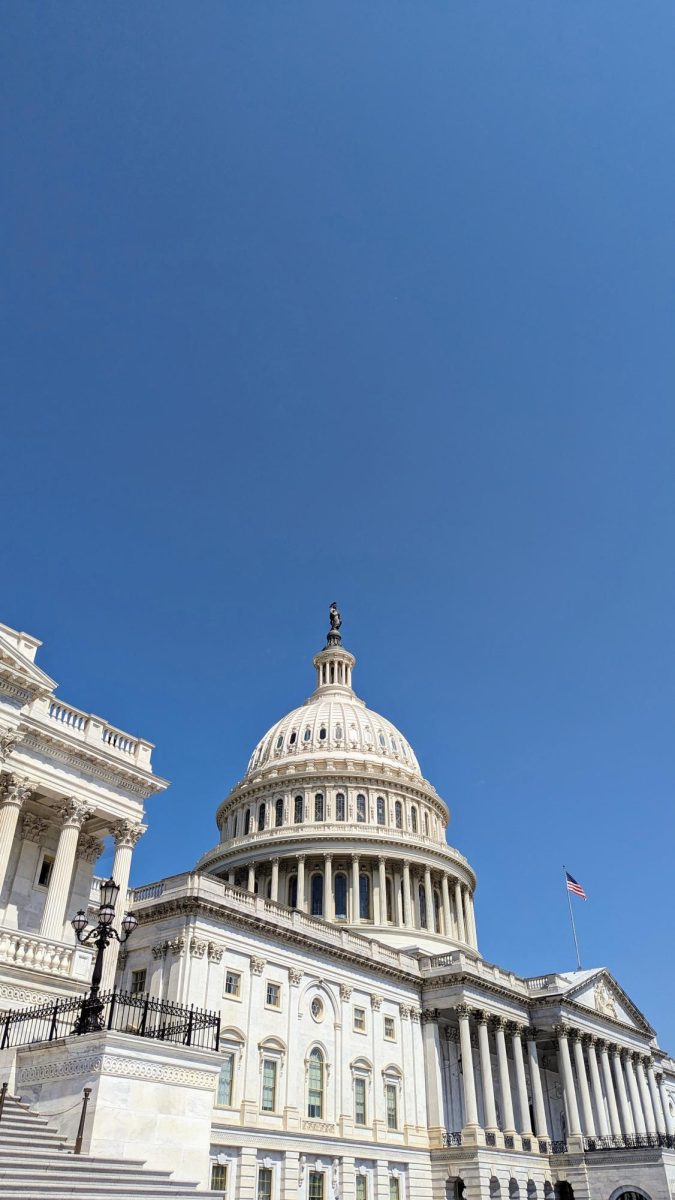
<point>334,664</point>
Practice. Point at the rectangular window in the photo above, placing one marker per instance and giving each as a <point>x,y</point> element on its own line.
<point>394,1189</point>
<point>273,995</point>
<point>269,1085</point>
<point>225,1079</point>
<point>361,1187</point>
<point>46,868</point>
<point>359,1101</point>
<point>392,1105</point>
<point>316,1180</point>
<point>390,1029</point>
<point>360,1020</point>
<point>264,1191</point>
<point>219,1177</point>
<point>138,979</point>
<point>232,983</point>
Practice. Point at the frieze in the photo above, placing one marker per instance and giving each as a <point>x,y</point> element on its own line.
<point>134,783</point>
<point>114,1064</point>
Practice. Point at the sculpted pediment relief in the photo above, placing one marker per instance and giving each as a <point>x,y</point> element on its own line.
<point>17,669</point>
<point>603,995</point>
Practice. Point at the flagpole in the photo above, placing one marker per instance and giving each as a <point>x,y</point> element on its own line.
<point>574,928</point>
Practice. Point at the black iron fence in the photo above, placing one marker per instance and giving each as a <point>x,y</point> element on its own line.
<point>143,1016</point>
<point>632,1141</point>
<point>452,1138</point>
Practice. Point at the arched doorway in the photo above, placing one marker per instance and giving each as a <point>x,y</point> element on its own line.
<point>629,1192</point>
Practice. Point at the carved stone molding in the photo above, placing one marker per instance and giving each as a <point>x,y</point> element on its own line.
<point>33,827</point>
<point>114,1064</point>
<point>73,812</point>
<point>429,1016</point>
<point>257,966</point>
<point>9,740</point>
<point>562,1030</point>
<point>197,948</point>
<point>89,848</point>
<point>294,976</point>
<point>177,946</point>
<point>215,953</point>
<point>404,1010</point>
<point>160,950</point>
<point>414,1014</point>
<point>127,833</point>
<point>376,1002</point>
<point>462,1010</point>
<point>345,991</point>
<point>14,791</point>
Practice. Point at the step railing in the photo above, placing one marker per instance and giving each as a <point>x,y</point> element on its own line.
<point>630,1141</point>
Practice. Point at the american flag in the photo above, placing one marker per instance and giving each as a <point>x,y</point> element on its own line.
<point>574,887</point>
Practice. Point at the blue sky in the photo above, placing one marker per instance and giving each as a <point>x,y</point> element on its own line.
<point>369,302</point>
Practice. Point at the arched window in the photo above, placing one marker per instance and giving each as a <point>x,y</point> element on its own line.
<point>398,814</point>
<point>247,821</point>
<point>413,819</point>
<point>316,893</point>
<point>437,911</point>
<point>341,895</point>
<point>382,741</point>
<point>293,892</point>
<point>338,733</point>
<point>280,741</point>
<point>360,807</point>
<point>298,810</point>
<point>388,894</point>
<point>364,897</point>
<point>322,733</point>
<point>380,810</point>
<point>318,807</point>
<point>307,735</point>
<point>423,906</point>
<point>426,823</point>
<point>293,738</point>
<point>279,812</point>
<point>261,818</point>
<point>315,1075</point>
<point>340,807</point>
<point>235,822</point>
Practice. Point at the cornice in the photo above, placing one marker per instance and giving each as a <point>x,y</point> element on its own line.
<point>590,1014</point>
<point>99,765</point>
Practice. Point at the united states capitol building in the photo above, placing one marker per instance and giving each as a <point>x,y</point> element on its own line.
<point>305,1013</point>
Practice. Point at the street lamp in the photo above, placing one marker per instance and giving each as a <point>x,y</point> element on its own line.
<point>91,1015</point>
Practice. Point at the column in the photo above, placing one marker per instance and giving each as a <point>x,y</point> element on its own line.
<point>614,1122</point>
<point>586,1106</point>
<point>468,1080</point>
<point>638,1115</point>
<point>561,1033</point>
<point>407,899</point>
<point>466,909</point>
<point>126,835</point>
<point>274,891</point>
<point>459,912</point>
<point>429,897</point>
<point>356,904</point>
<point>445,893</point>
<point>504,1081</point>
<point>663,1093</point>
<point>540,1126</point>
<point>328,900</point>
<point>397,884</point>
<point>626,1117</point>
<point>523,1104</point>
<point>603,1126</point>
<point>250,886</point>
<point>382,889</point>
<point>301,883</point>
<point>13,796</point>
<point>73,813</point>
<point>485,1068</point>
<point>647,1106</point>
<point>659,1115</point>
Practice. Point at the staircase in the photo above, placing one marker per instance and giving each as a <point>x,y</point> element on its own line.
<point>35,1161</point>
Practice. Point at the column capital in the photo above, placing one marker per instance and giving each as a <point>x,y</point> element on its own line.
<point>625,1054</point>
<point>14,791</point>
<point>590,1039</point>
<point>32,827</point>
<point>301,858</point>
<point>257,966</point>
<point>603,1045</point>
<point>294,976</point>
<point>381,860</point>
<point>276,860</point>
<point>481,1015</point>
<point>562,1030</point>
<point>431,1016</point>
<point>9,740</point>
<point>73,812</point>
<point>127,833</point>
<point>89,848</point>
<point>515,1028</point>
<point>500,1024</point>
<point>463,1010</point>
<point>376,1001</point>
<point>531,1033</point>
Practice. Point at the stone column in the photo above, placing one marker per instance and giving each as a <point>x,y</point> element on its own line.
<point>466,909</point>
<point>504,1080</point>
<point>445,893</point>
<point>626,1116</point>
<point>614,1121</point>
<point>486,1071</point>
<point>397,884</point>
<point>429,898</point>
<point>13,795</point>
<point>647,1106</point>
<point>459,912</point>
<point>126,835</point>
<point>663,1093</point>
<point>328,904</point>
<point>468,1080</point>
<point>582,1079</point>
<point>407,898</point>
<point>562,1033</point>
<point>474,932</point>
<point>73,814</point>
<point>301,883</point>
<point>356,895</point>
<point>636,1106</point>
<point>659,1115</point>
<point>274,891</point>
<point>603,1126</point>
<point>250,886</point>
<point>32,832</point>
<point>541,1127</point>
<point>382,889</point>
<point>523,1104</point>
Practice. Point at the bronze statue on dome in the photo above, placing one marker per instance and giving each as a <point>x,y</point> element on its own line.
<point>335,618</point>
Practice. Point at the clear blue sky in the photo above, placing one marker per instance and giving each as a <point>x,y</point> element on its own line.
<point>370,302</point>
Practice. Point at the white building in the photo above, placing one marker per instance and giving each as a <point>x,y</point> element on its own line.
<point>367,1051</point>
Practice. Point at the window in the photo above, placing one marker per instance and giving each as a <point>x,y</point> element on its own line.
<point>426,823</point>
<point>307,735</point>
<point>273,995</point>
<point>437,911</point>
<point>279,812</point>
<point>225,1080</point>
<point>298,813</point>
<point>394,1188</point>
<point>338,733</point>
<point>316,892</point>
<point>393,744</point>
<point>315,1085</point>
<point>269,1085</point>
<point>362,1187</point>
<point>247,821</point>
<point>364,897</point>
<point>380,810</point>
<point>360,1020</point>
<point>264,1191</point>
<point>398,814</point>
<point>235,822</point>
<point>219,1177</point>
<point>340,810</point>
<point>46,868</point>
<point>422,897</point>
<point>316,1191</point>
<point>390,1029</point>
<point>388,895</point>
<point>360,807</point>
<point>261,818</point>
<point>391,1097</point>
<point>322,733</point>
<point>359,1101</point>
<point>232,983</point>
<point>293,892</point>
<point>318,807</point>
<point>382,741</point>
<point>280,741</point>
<point>341,896</point>
<point>138,979</point>
<point>293,738</point>
<point>413,819</point>
<point>316,1009</point>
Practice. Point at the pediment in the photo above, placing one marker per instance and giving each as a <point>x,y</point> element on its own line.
<point>600,993</point>
<point>17,670</point>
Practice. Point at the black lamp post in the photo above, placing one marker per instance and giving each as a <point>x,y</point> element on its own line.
<point>91,1015</point>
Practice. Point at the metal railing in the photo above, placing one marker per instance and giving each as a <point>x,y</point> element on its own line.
<point>140,1015</point>
<point>559,1146</point>
<point>630,1141</point>
<point>452,1138</point>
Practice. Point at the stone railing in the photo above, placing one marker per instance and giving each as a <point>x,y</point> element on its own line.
<point>93,730</point>
<point>544,982</point>
<point>456,961</point>
<point>364,831</point>
<point>32,952</point>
